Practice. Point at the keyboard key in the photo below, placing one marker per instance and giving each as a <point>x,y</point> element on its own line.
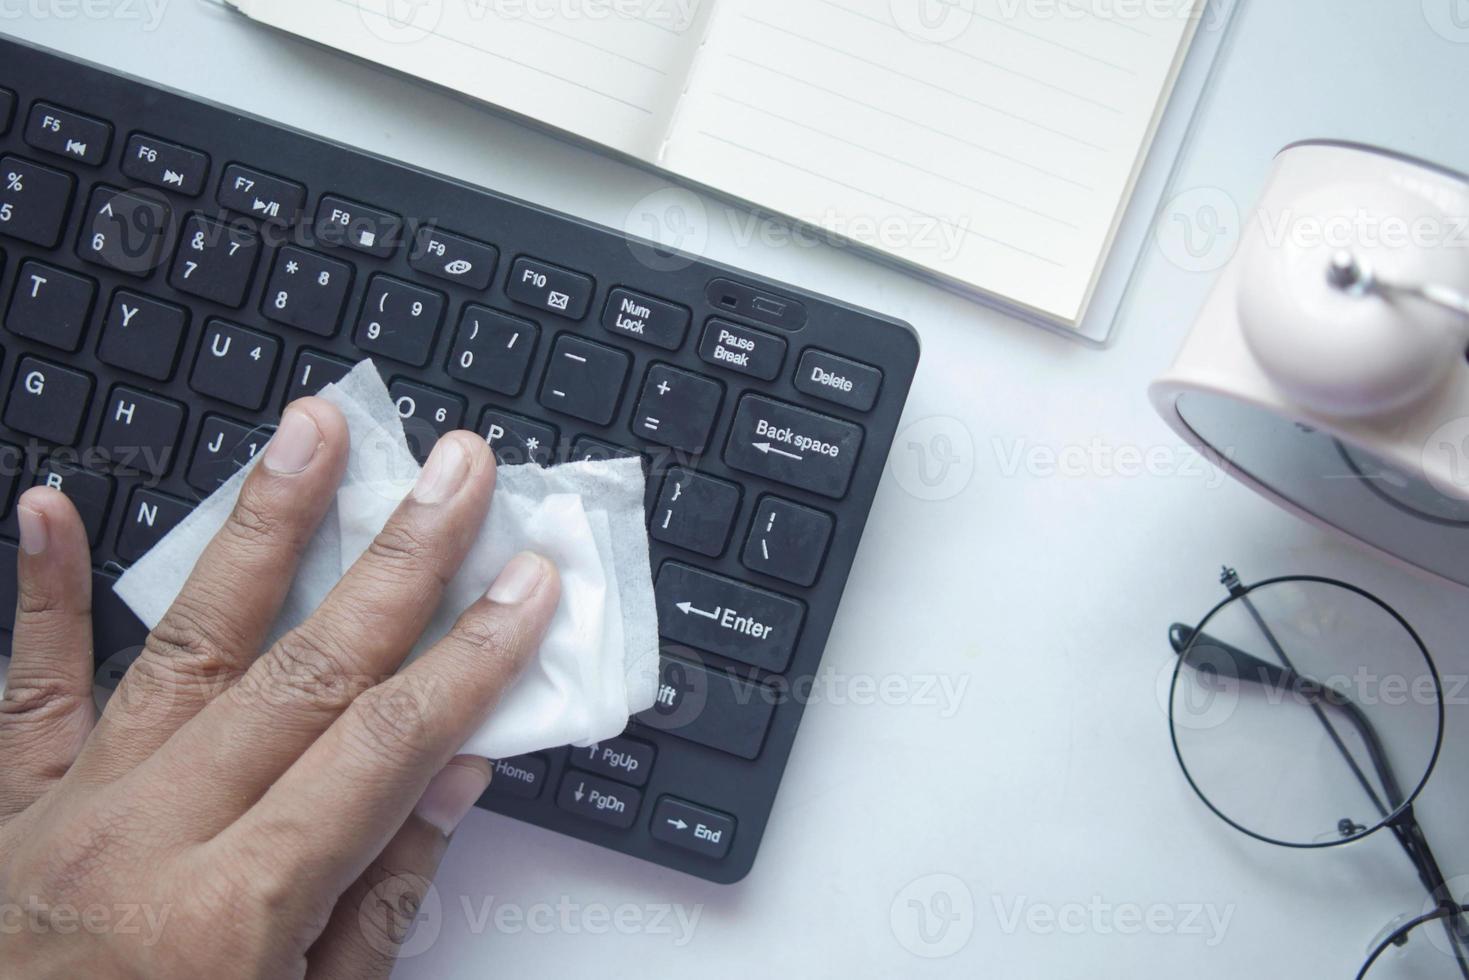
<point>68,134</point>
<point>149,516</point>
<point>522,776</point>
<point>624,759</point>
<point>839,380</point>
<point>50,305</point>
<point>48,401</point>
<point>518,440</point>
<point>677,409</point>
<point>165,165</point>
<point>454,258</point>
<point>12,465</point>
<point>741,349</point>
<point>140,432</point>
<point>599,799</point>
<point>215,261</point>
<point>222,448</point>
<point>124,231</point>
<point>695,512</point>
<point>313,372</point>
<point>585,449</point>
<point>550,288</point>
<point>492,350</point>
<point>399,320</point>
<point>357,226</point>
<point>7,109</point>
<point>711,708</point>
<point>33,201</point>
<point>793,446</point>
<point>692,827</point>
<point>584,379</point>
<point>115,629</point>
<point>234,364</point>
<point>307,291</point>
<point>427,414</point>
<point>787,541</point>
<point>90,492</point>
<point>262,196</point>
<point>723,616</point>
<point>142,335</point>
<point>653,321</point>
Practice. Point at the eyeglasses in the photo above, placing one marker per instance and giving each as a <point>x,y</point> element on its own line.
<point>1307,713</point>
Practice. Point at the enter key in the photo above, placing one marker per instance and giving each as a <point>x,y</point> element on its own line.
<point>726,617</point>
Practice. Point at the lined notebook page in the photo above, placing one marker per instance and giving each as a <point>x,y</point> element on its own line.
<point>609,72</point>
<point>995,144</point>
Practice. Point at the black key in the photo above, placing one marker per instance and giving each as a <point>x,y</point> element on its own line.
<point>7,109</point>
<point>68,134</point>
<point>234,364</point>
<point>695,512</point>
<point>550,288</point>
<point>427,414</point>
<point>492,350</point>
<point>33,201</point>
<point>599,799</point>
<point>140,432</point>
<point>9,557</point>
<point>653,321</point>
<point>399,320</point>
<point>517,440</point>
<point>711,708</point>
<point>584,379</point>
<point>215,261</point>
<point>90,492</point>
<point>522,776</point>
<point>839,380</point>
<point>50,305</point>
<point>48,401</point>
<point>585,449</point>
<point>624,759</point>
<point>454,258</point>
<point>12,465</point>
<point>677,409</point>
<point>358,226</point>
<point>787,541</point>
<point>143,335</point>
<point>741,349</point>
<point>165,165</point>
<point>723,616</point>
<point>262,196</point>
<point>115,630</point>
<point>124,231</point>
<point>791,445</point>
<point>692,827</point>
<point>307,291</point>
<point>313,372</point>
<point>150,516</point>
<point>223,447</point>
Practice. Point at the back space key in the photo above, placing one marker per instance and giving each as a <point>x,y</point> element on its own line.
<point>791,445</point>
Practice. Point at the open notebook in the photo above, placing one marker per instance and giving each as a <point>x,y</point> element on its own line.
<point>990,144</point>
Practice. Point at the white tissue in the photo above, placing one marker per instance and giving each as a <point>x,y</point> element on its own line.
<point>598,664</point>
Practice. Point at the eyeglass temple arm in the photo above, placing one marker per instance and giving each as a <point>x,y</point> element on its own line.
<point>1250,668</point>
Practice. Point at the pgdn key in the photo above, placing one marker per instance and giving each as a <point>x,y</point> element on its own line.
<point>729,618</point>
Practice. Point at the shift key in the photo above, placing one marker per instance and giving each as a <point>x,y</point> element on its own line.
<point>793,446</point>
<point>726,617</point>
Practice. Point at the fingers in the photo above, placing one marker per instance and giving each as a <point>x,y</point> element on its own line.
<point>361,633</point>
<point>220,620</point>
<point>377,759</point>
<point>372,918</point>
<point>47,711</point>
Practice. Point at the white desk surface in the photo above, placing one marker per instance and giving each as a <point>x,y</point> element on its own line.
<point>1050,788</point>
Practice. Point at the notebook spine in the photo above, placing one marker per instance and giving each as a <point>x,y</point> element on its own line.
<point>688,83</point>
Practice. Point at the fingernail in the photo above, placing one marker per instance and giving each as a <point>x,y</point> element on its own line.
<point>294,444</point>
<point>33,533</point>
<point>518,579</point>
<point>452,793</point>
<point>444,474</point>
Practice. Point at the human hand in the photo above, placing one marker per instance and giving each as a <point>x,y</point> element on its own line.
<point>234,813</point>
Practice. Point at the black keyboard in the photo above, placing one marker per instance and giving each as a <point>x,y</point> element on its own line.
<point>172,273</point>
